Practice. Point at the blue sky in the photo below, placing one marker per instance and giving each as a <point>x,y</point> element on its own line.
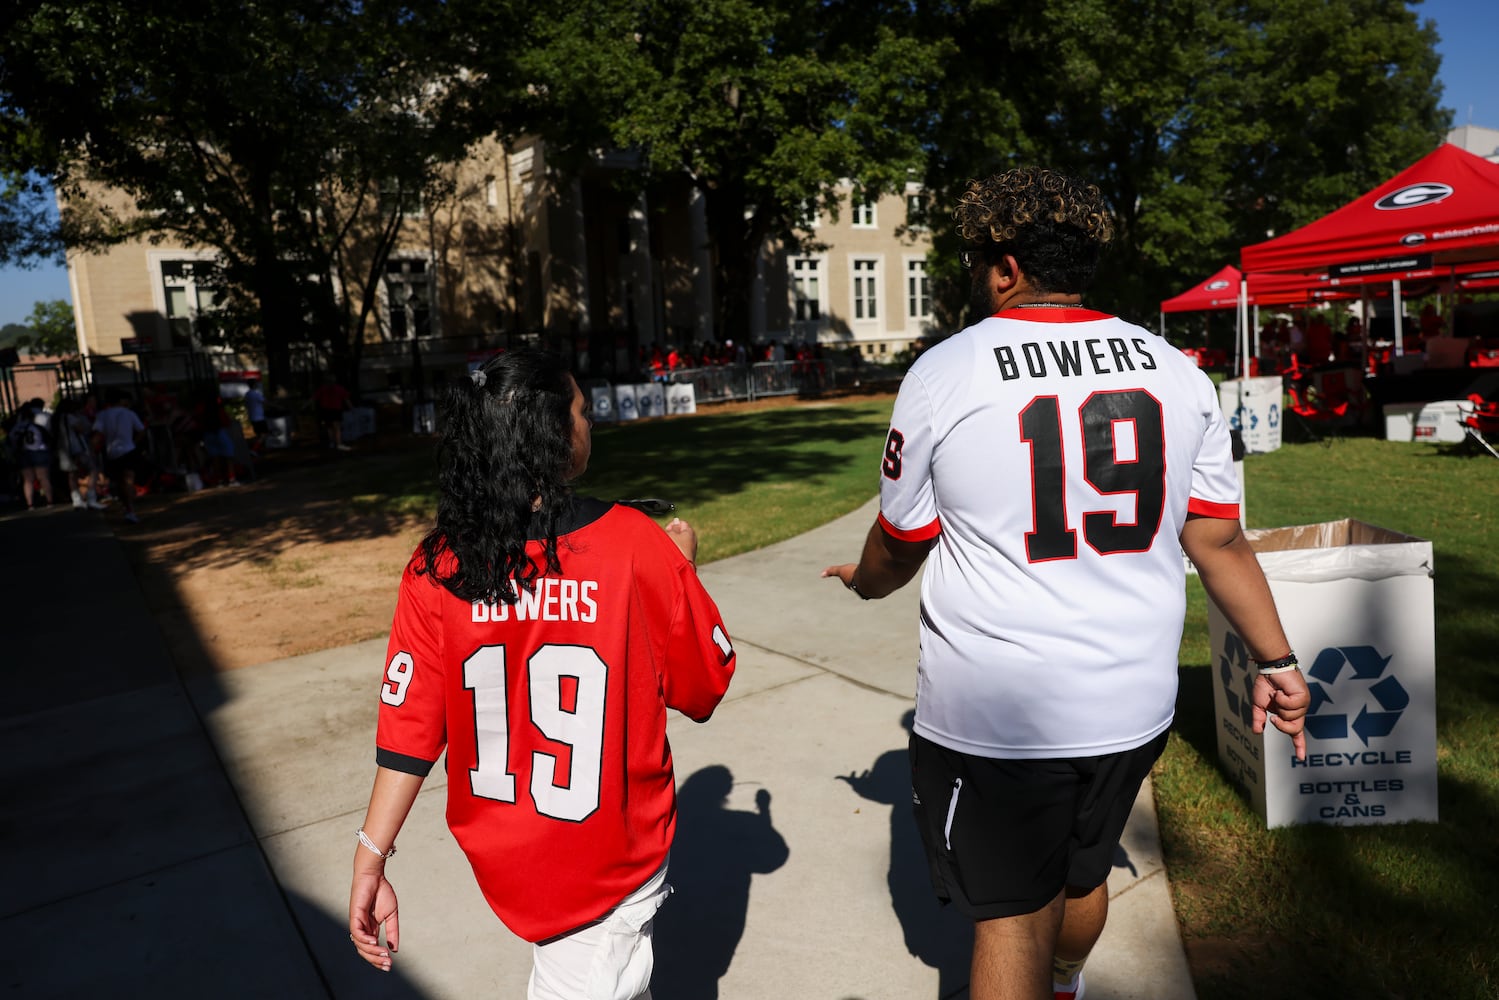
<point>1469,78</point>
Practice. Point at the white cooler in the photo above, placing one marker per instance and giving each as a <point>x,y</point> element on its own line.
<point>1400,421</point>
<point>1440,422</point>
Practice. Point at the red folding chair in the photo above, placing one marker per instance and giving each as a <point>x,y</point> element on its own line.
<point>1480,420</point>
<point>1330,399</point>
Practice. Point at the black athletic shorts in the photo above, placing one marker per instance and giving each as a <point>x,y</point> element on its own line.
<point>1003,837</point>
<point>133,460</point>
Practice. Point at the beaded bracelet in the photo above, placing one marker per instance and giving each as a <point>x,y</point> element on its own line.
<point>1280,666</point>
<point>367,842</point>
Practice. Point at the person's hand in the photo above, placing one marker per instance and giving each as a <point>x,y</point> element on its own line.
<point>844,572</point>
<point>861,783</point>
<point>1283,698</point>
<point>372,903</point>
<point>680,532</point>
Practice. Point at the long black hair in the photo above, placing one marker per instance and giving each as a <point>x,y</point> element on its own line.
<point>507,442</point>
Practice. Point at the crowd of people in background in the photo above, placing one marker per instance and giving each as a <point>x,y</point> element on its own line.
<point>162,437</point>
<point>101,454</point>
<point>659,362</point>
<point>1310,340</point>
<point>663,360</point>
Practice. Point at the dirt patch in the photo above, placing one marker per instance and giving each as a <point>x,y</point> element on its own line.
<point>290,564</point>
<point>281,566</point>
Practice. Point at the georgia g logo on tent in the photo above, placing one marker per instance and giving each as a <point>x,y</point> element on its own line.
<point>1413,195</point>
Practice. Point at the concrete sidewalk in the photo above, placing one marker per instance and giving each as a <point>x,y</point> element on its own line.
<point>161,840</point>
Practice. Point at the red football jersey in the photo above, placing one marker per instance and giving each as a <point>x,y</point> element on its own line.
<point>553,713</point>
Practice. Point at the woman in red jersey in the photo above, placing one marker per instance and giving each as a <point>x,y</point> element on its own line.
<point>539,638</point>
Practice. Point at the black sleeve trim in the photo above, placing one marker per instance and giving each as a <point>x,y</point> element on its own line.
<point>401,762</point>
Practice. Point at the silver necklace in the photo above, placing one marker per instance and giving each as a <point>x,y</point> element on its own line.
<point>1048,305</point>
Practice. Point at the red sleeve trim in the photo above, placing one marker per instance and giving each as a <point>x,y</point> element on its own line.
<point>922,534</point>
<point>1206,508</point>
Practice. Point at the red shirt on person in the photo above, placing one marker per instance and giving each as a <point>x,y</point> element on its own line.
<point>553,714</point>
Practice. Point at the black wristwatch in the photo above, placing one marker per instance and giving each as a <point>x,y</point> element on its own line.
<point>855,588</point>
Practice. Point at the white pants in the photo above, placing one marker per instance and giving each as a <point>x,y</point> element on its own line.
<point>610,959</point>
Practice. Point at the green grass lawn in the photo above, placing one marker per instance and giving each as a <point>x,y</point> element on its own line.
<point>1409,911</point>
<point>744,480</point>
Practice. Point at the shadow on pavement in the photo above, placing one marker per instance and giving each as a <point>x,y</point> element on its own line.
<point>938,935</point>
<point>716,852</point>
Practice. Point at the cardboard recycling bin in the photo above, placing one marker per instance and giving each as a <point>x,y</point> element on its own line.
<point>601,402</point>
<point>424,418</point>
<point>1357,604</point>
<point>681,397</point>
<point>650,399</point>
<point>1253,408</point>
<point>624,402</point>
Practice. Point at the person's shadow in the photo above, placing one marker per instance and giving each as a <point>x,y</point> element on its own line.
<point>938,935</point>
<point>716,851</point>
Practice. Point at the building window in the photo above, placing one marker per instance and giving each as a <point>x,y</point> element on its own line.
<point>408,298</point>
<point>864,214</point>
<point>918,291</point>
<point>916,211</point>
<point>521,170</point>
<point>188,292</point>
<point>491,192</point>
<point>806,288</point>
<point>393,194</point>
<point>806,214</point>
<point>866,294</point>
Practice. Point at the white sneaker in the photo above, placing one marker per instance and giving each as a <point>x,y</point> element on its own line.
<point>1074,993</point>
<point>132,518</point>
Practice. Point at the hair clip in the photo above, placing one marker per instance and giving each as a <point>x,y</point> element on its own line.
<point>478,377</point>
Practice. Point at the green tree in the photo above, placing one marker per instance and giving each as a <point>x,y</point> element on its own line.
<point>13,334</point>
<point>261,131</point>
<point>28,220</point>
<point>1206,123</point>
<point>51,330</point>
<point>762,106</point>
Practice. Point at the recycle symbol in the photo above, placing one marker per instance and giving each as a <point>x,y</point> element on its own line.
<point>1366,673</point>
<point>1234,665</point>
<point>1254,420</point>
<point>1273,417</point>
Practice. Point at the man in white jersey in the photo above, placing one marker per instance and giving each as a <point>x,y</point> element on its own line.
<point>1050,464</point>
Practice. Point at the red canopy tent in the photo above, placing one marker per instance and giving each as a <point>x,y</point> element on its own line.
<point>1435,219</point>
<point>1221,291</point>
<point>1230,288</point>
<point>1444,209</point>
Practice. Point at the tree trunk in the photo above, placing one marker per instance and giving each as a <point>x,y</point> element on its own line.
<point>279,318</point>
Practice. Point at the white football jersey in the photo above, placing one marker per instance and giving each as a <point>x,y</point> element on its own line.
<point>1054,454</point>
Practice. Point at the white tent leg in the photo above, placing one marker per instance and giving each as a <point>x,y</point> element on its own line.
<point>1244,326</point>
<point>1399,319</point>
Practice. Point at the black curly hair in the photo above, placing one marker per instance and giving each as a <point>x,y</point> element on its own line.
<point>505,443</point>
<point>1054,226</point>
